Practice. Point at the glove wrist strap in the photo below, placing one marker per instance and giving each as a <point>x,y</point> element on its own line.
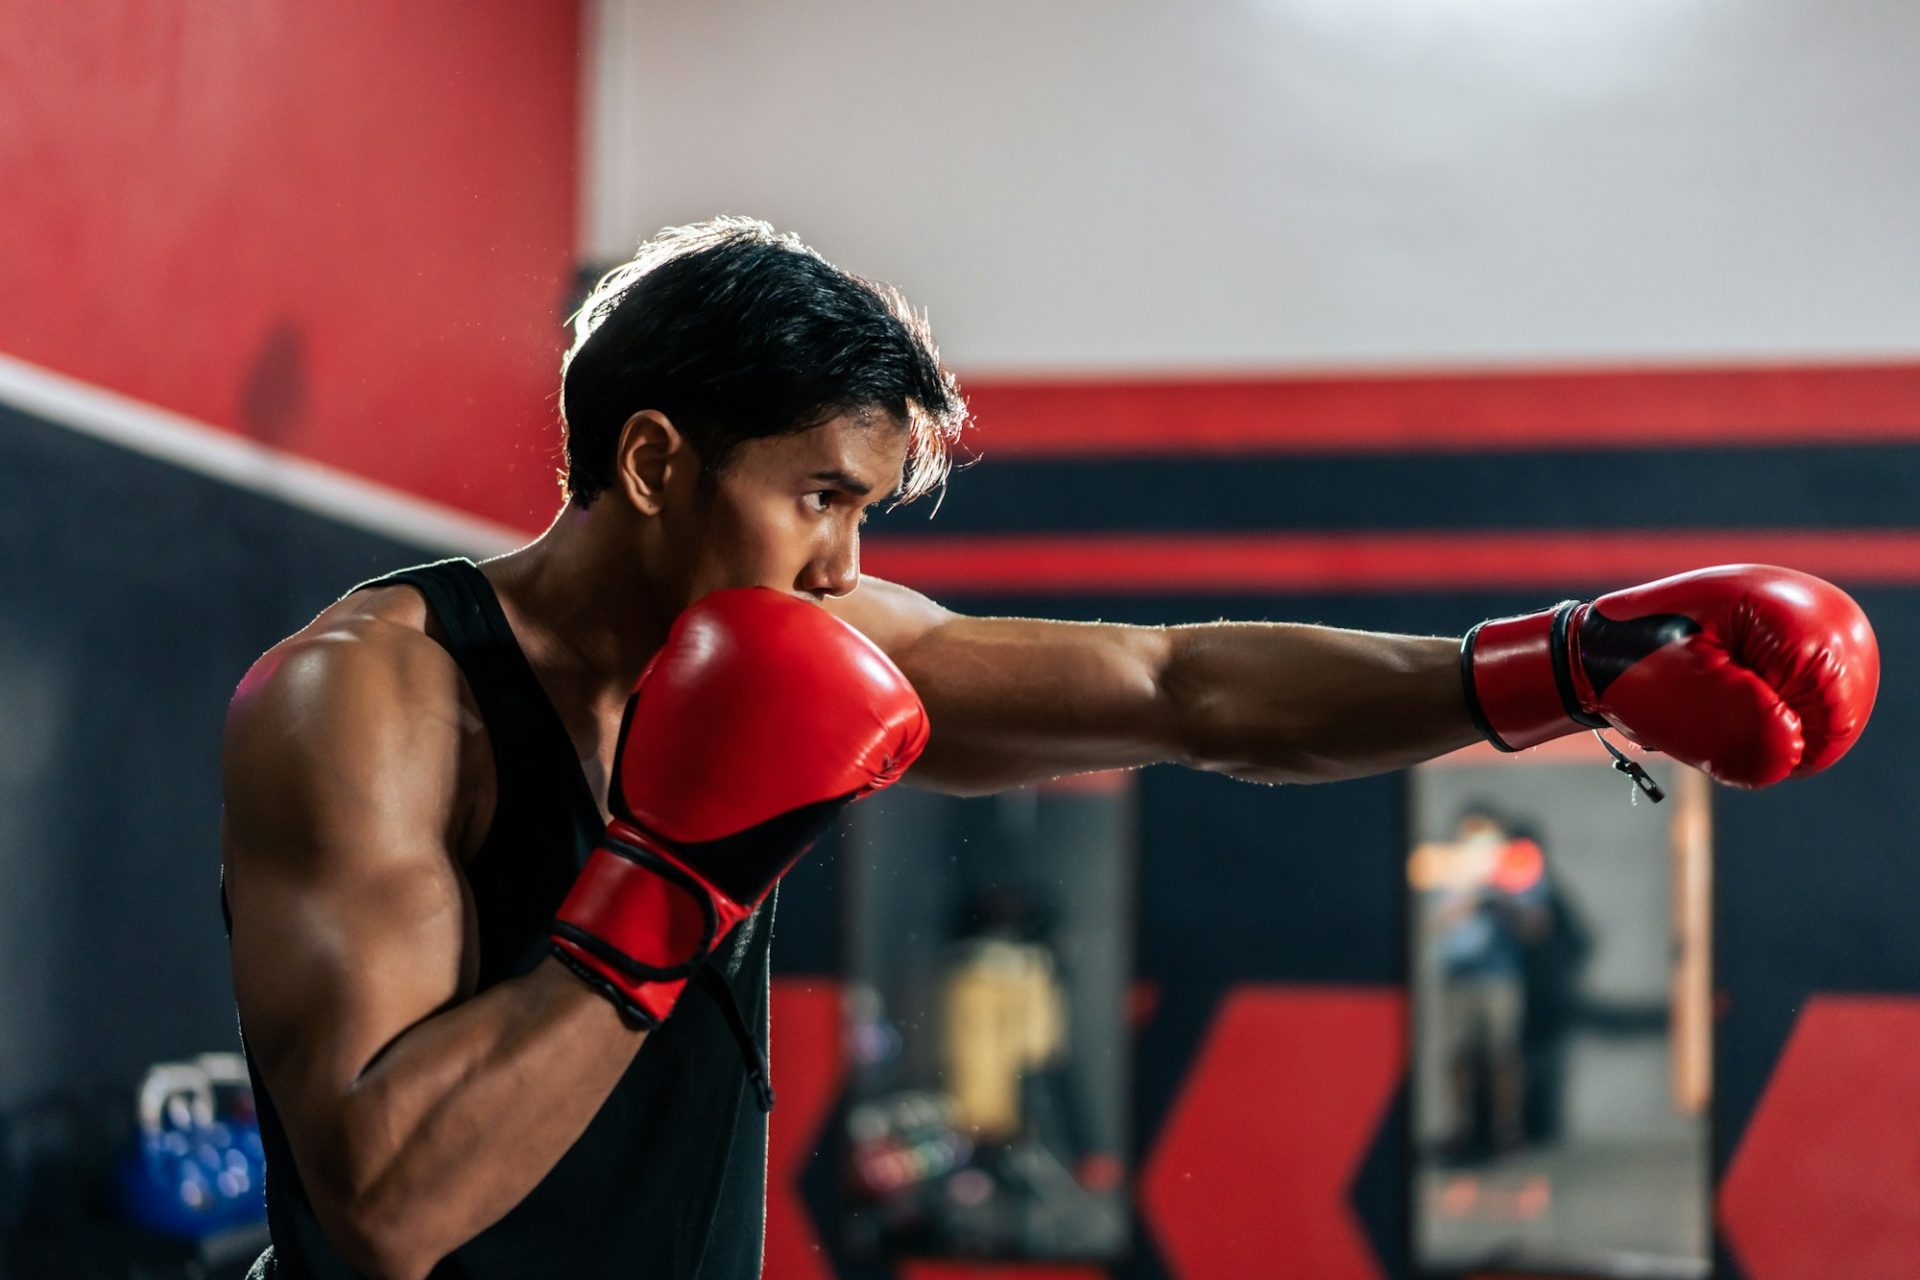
<point>1519,678</point>
<point>636,925</point>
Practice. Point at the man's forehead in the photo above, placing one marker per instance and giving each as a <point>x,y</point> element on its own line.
<point>871,445</point>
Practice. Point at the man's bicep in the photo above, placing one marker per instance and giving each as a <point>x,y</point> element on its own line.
<point>349,920</point>
<point>1015,700</point>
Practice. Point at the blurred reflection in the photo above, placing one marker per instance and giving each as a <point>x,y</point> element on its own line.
<point>985,1028</point>
<point>1558,943</point>
<point>1492,921</point>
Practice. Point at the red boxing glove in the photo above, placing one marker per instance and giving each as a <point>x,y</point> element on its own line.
<point>1747,672</point>
<point>757,722</point>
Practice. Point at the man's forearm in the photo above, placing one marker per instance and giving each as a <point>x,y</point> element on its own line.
<point>1283,702</point>
<point>464,1114</point>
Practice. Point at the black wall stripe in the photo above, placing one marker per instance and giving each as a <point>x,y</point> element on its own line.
<point>1809,487</point>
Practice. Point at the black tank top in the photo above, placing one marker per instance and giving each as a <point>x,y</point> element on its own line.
<point>669,1180</point>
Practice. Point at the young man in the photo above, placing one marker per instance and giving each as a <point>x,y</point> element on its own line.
<point>467,888</point>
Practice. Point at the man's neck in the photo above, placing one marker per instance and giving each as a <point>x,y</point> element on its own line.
<point>580,605</point>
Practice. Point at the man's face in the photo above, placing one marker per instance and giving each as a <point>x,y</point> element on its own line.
<point>786,511</point>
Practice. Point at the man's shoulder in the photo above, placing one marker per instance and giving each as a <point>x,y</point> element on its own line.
<point>353,728</point>
<point>395,605</point>
<point>368,657</point>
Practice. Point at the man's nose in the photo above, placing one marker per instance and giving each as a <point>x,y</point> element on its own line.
<point>836,573</point>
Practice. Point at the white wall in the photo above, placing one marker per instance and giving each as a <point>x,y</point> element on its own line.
<point>1079,185</point>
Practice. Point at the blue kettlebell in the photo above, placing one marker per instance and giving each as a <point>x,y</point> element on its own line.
<point>167,1184</point>
<point>198,1167</point>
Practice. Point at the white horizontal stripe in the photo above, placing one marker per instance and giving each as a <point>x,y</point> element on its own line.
<point>195,446</point>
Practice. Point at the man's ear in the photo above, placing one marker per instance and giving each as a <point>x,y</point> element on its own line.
<point>650,452</point>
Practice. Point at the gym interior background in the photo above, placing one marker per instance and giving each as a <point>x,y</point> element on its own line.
<point>1391,314</point>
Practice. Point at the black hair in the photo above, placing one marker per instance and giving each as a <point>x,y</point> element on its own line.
<point>1487,810</point>
<point>735,332</point>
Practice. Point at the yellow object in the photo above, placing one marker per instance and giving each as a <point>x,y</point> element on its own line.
<point>1003,1012</point>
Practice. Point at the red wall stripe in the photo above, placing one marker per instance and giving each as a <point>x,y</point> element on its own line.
<point>927,1269</point>
<point>1637,408</point>
<point>1557,560</point>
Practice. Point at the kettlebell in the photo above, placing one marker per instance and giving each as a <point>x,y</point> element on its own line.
<point>194,1173</point>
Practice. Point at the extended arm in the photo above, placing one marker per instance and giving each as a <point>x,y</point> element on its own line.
<point>417,1118</point>
<point>1750,673</point>
<point>1015,700</point>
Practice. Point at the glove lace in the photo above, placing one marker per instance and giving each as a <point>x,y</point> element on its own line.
<point>1641,778</point>
<point>720,991</point>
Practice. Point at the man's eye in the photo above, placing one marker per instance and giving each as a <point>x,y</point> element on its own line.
<point>822,499</point>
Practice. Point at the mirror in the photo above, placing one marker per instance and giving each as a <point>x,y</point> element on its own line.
<point>1559,933</point>
<point>990,958</point>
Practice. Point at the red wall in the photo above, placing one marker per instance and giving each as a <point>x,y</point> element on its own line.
<point>344,228</point>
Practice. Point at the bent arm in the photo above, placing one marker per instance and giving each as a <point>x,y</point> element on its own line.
<point>417,1116</point>
<point>1017,700</point>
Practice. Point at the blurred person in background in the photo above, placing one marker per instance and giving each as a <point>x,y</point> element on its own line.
<point>1487,910</point>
